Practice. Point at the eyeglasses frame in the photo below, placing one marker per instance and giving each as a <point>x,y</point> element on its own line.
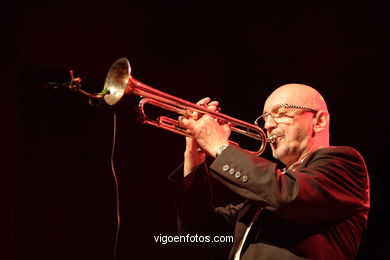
<point>309,109</point>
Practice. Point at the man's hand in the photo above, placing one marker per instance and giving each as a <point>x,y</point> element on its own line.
<point>208,134</point>
<point>193,155</point>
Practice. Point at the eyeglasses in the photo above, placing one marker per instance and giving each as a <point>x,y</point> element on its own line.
<point>280,115</point>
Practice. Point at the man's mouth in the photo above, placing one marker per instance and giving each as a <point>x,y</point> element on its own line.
<point>271,139</point>
<point>275,139</point>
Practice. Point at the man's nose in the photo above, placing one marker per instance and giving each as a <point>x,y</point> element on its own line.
<point>269,122</point>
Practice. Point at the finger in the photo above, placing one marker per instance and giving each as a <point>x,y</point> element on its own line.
<point>180,119</point>
<point>213,103</point>
<point>225,124</point>
<point>214,106</point>
<point>226,128</point>
<point>185,121</point>
<point>195,115</point>
<point>188,123</point>
<point>203,101</point>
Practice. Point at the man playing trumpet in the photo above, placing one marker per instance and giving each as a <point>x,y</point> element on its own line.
<point>315,208</point>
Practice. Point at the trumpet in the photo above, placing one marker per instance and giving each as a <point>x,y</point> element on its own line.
<point>119,83</point>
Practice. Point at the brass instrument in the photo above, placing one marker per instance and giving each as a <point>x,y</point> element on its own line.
<point>119,82</point>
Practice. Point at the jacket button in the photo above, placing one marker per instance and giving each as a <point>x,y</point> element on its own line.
<point>232,171</point>
<point>244,178</point>
<point>238,174</point>
<point>225,168</point>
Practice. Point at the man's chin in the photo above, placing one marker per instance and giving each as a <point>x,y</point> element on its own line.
<point>279,152</point>
<point>276,153</point>
<point>278,149</point>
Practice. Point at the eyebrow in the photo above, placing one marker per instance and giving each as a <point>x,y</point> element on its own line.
<point>274,108</point>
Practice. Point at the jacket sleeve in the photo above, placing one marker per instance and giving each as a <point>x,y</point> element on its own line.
<point>333,183</point>
<point>193,197</point>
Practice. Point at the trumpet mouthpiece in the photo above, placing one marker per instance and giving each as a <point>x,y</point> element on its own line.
<point>271,139</point>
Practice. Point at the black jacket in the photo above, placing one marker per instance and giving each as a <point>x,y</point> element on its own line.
<point>318,211</point>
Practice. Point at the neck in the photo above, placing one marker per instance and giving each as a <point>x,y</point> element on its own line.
<point>306,151</point>
<point>298,158</point>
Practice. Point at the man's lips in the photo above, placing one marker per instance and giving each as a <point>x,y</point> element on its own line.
<point>271,139</point>
<point>275,138</point>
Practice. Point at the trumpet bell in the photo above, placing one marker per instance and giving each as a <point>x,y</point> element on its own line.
<point>116,81</point>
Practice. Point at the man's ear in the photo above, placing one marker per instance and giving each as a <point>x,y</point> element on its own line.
<point>321,121</point>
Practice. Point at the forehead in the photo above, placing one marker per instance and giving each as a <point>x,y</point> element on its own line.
<point>274,101</point>
<point>289,96</point>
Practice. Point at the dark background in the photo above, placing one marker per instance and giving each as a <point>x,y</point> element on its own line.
<point>57,189</point>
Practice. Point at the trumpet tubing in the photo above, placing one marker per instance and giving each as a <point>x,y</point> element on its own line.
<point>119,82</point>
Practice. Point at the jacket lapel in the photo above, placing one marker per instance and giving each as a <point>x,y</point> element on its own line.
<point>244,218</point>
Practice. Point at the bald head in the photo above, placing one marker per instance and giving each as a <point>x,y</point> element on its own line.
<point>297,94</point>
<point>298,132</point>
